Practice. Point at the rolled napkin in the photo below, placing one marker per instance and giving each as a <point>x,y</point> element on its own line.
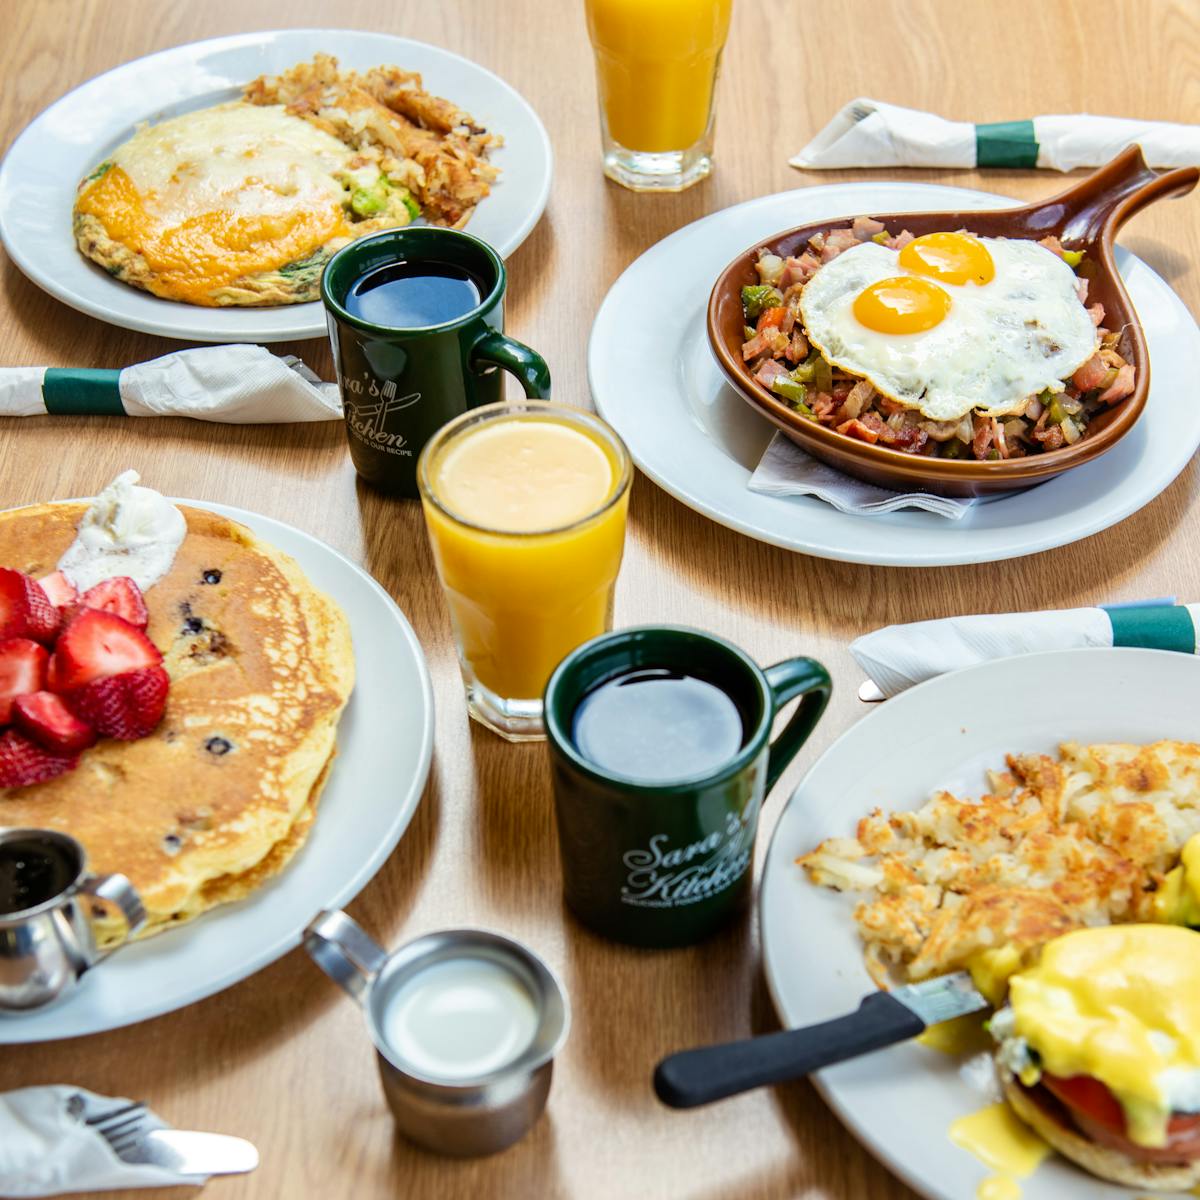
<point>47,1147</point>
<point>786,470</point>
<point>236,385</point>
<point>870,133</point>
<point>899,656</point>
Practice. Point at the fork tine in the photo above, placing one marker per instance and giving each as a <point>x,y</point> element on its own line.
<point>113,1114</point>
<point>115,1128</point>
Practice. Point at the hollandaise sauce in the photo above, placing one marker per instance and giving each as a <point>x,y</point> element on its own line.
<point>211,196</point>
<point>1001,1140</point>
<point>1120,1004</point>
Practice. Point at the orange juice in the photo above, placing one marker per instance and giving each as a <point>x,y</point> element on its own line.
<point>656,64</point>
<point>525,506</point>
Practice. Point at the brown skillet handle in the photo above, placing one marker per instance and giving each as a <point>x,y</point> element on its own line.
<point>1105,200</point>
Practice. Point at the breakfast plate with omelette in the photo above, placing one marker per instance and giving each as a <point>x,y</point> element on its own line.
<point>198,718</point>
<point>701,441</point>
<point>213,181</point>
<point>1019,802</point>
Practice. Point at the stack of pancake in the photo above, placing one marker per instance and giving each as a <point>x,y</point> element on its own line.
<point>224,792</point>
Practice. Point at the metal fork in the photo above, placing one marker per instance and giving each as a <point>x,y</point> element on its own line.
<point>122,1128</point>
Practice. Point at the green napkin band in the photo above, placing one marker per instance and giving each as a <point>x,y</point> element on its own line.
<point>1157,627</point>
<point>71,391</point>
<point>1006,144</point>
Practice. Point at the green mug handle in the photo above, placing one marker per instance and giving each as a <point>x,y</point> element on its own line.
<point>495,349</point>
<point>804,677</point>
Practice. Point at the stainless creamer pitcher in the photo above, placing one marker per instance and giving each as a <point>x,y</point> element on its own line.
<point>46,939</point>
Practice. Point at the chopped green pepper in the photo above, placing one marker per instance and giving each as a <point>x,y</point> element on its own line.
<point>881,237</point>
<point>1057,414</point>
<point>1072,257</point>
<point>749,332</point>
<point>953,448</point>
<point>758,296</point>
<point>804,372</point>
<point>822,373</point>
<point>806,412</point>
<point>789,389</point>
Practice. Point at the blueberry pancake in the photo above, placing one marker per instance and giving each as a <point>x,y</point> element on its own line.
<point>224,791</point>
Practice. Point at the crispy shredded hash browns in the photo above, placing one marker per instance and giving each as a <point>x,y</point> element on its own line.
<point>1054,845</point>
<point>429,144</point>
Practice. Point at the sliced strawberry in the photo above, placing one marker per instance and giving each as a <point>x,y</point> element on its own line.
<point>25,609</point>
<point>120,596</point>
<point>46,719</point>
<point>22,671</point>
<point>126,706</point>
<point>23,762</point>
<point>60,591</point>
<point>95,645</point>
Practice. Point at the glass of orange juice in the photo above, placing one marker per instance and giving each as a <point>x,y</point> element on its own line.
<point>525,506</point>
<point>656,72</point>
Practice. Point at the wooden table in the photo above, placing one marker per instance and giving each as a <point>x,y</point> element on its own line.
<point>282,1057</point>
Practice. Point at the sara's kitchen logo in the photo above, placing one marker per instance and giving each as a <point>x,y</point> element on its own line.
<point>662,876</point>
<point>368,418</point>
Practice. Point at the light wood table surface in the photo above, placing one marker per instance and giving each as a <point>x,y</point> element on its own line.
<point>282,1058</point>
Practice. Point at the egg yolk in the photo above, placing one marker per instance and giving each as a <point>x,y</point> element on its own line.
<point>951,257</point>
<point>904,304</point>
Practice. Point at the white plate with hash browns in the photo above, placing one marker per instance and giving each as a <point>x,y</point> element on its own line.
<point>945,733</point>
<point>43,167</point>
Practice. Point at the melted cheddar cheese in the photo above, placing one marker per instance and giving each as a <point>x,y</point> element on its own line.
<point>215,195</point>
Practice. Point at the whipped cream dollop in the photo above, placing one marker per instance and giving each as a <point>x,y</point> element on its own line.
<point>128,530</point>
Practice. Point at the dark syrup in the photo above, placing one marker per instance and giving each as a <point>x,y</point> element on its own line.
<point>413,295</point>
<point>658,724</point>
<point>32,871</point>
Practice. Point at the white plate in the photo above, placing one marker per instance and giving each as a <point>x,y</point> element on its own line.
<point>654,379</point>
<point>385,743</point>
<point>945,733</point>
<point>39,175</point>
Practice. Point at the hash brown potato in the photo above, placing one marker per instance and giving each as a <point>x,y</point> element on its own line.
<point>1084,839</point>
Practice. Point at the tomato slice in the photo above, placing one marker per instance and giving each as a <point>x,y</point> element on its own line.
<point>1089,1096</point>
<point>1099,1115</point>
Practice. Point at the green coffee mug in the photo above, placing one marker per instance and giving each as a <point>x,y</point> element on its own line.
<point>400,386</point>
<point>666,863</point>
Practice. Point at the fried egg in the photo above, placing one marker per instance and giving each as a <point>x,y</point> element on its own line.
<point>951,322</point>
<point>219,195</point>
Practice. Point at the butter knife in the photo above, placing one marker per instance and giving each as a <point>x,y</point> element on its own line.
<point>693,1077</point>
<point>192,1153</point>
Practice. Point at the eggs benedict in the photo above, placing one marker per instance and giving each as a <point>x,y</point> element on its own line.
<point>1099,1052</point>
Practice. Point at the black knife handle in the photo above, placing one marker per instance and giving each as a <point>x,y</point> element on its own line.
<point>700,1076</point>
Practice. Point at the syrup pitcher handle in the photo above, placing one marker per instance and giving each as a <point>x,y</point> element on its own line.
<point>118,891</point>
<point>1110,196</point>
<point>495,349</point>
<point>806,678</point>
<point>344,951</point>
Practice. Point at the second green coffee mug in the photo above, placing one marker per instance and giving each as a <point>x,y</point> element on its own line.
<point>666,863</point>
<point>399,386</point>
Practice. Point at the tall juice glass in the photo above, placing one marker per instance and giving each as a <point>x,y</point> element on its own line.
<point>656,72</point>
<point>525,506</point>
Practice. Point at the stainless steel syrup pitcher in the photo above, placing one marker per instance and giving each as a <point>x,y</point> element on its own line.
<point>46,937</point>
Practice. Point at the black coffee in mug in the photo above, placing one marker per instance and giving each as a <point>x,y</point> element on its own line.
<point>657,724</point>
<point>416,319</point>
<point>413,295</point>
<point>32,871</point>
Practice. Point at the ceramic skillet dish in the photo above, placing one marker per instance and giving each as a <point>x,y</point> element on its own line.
<point>1084,217</point>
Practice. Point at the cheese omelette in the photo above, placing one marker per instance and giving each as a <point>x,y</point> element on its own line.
<point>1087,839</point>
<point>224,791</point>
<point>243,203</point>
